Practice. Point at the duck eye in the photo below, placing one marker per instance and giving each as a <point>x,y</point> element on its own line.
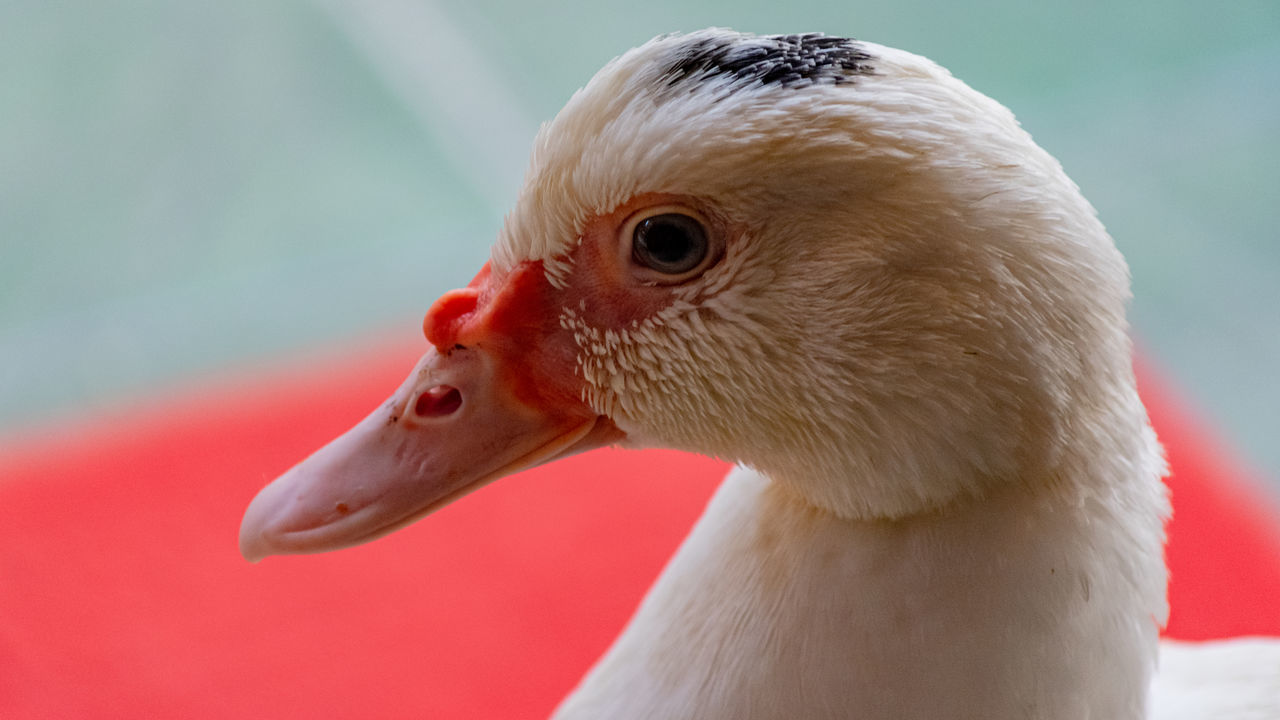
<point>670,243</point>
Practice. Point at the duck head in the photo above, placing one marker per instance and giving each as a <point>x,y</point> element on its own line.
<point>825,259</point>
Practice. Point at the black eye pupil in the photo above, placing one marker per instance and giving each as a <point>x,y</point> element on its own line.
<point>670,243</point>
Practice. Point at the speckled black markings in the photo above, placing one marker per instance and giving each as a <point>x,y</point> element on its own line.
<point>783,60</point>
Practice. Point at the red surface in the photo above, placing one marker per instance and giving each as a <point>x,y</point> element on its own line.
<point>1224,540</point>
<point>122,594</point>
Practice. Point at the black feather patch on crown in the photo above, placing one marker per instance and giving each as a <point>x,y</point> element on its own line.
<point>782,60</point>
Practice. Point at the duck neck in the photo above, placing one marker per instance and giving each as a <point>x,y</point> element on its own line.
<point>1017,605</point>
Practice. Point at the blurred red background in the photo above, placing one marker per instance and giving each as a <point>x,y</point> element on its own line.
<point>124,594</point>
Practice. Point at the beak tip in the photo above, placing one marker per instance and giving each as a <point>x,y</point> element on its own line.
<point>252,545</point>
<point>255,542</point>
<point>252,554</point>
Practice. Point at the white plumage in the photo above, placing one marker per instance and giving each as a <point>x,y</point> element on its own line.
<point>906,325</point>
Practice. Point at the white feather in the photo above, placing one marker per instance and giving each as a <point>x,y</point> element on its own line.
<point>917,340</point>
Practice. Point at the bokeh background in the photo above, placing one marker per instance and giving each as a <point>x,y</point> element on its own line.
<point>191,187</point>
<point>221,223</point>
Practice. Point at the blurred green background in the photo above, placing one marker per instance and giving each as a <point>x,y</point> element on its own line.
<point>188,187</point>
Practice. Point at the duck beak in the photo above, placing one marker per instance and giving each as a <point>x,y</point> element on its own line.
<point>458,422</point>
<point>450,429</point>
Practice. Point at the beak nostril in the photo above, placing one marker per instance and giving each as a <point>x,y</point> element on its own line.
<point>438,401</point>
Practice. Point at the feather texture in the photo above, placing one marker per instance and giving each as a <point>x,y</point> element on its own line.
<point>949,502</point>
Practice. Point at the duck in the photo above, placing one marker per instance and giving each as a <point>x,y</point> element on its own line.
<point>842,269</point>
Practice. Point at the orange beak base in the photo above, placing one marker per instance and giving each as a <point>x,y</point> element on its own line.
<point>463,418</point>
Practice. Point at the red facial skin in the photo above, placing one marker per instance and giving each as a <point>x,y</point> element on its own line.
<point>515,319</point>
<point>499,391</point>
<point>516,316</point>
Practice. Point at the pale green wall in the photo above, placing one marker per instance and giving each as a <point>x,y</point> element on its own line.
<point>187,186</point>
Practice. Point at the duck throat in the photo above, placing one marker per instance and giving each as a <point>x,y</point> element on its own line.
<point>1016,606</point>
